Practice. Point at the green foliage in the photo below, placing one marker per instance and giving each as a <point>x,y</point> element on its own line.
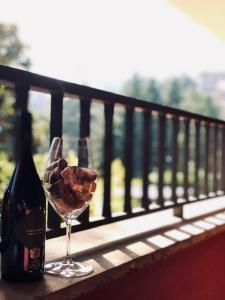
<point>174,94</point>
<point>6,171</point>
<point>117,203</point>
<point>118,173</point>
<point>177,92</point>
<point>135,87</point>
<point>40,160</point>
<point>153,92</point>
<point>97,200</point>
<point>12,50</point>
<point>200,103</point>
<point>118,133</point>
<point>40,128</point>
<point>180,92</point>
<point>97,136</point>
<point>6,119</point>
<point>71,118</point>
<point>167,176</point>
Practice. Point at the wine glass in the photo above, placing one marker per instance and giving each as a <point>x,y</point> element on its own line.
<point>69,190</point>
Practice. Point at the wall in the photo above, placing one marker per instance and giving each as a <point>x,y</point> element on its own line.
<point>197,273</point>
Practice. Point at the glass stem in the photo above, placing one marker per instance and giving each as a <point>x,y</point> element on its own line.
<point>68,233</point>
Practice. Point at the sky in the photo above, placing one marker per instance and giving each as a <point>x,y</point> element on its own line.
<point>102,43</point>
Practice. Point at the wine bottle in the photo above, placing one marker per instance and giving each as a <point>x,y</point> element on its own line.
<point>23,213</point>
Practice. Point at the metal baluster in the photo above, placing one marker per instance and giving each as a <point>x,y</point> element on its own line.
<point>161,158</point>
<point>174,155</point>
<point>206,184</point>
<point>85,106</point>
<point>220,163</point>
<point>223,161</point>
<point>21,92</point>
<point>178,210</point>
<point>215,160</point>
<point>108,150</point>
<point>146,156</point>
<point>186,157</point>
<point>128,158</point>
<point>197,157</point>
<point>55,131</point>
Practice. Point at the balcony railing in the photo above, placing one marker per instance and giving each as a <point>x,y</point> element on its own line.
<point>194,129</point>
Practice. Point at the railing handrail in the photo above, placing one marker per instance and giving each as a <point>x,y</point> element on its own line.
<point>46,84</point>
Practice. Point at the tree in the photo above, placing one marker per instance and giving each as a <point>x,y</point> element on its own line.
<point>200,103</point>
<point>180,92</point>
<point>134,87</point>
<point>12,52</point>
<point>153,92</point>
<point>174,94</point>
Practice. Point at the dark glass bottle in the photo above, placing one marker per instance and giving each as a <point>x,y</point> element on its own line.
<point>23,213</point>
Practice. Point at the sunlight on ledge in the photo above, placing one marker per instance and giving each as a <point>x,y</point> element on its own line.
<point>116,257</point>
<point>177,235</point>
<point>215,220</point>
<point>160,241</point>
<point>192,230</point>
<point>204,225</point>
<point>140,248</point>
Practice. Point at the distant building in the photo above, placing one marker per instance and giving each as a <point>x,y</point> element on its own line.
<point>213,84</point>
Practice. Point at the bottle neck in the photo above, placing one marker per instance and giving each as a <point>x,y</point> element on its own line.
<point>24,136</point>
<point>26,146</point>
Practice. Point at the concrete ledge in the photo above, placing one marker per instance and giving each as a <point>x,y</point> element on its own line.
<point>114,251</point>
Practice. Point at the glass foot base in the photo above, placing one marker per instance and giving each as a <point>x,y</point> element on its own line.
<point>68,269</point>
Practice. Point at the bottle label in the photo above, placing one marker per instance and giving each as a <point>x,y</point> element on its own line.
<point>30,231</point>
